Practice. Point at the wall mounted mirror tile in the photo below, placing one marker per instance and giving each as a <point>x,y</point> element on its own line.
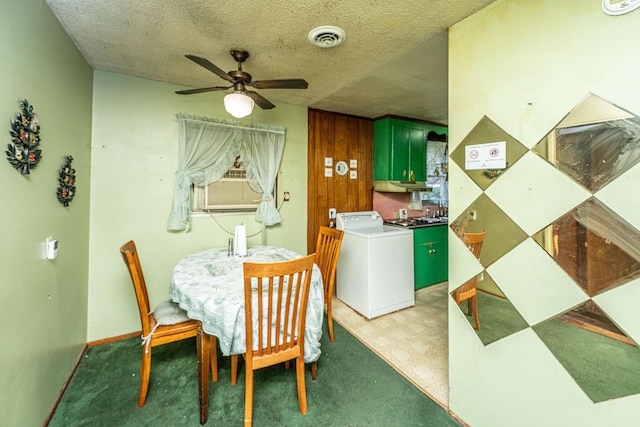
<point>601,358</point>
<point>596,247</point>
<point>503,234</point>
<point>498,318</point>
<point>486,131</point>
<point>594,144</point>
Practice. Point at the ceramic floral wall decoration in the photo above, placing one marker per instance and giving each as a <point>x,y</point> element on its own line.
<point>23,153</point>
<point>67,180</point>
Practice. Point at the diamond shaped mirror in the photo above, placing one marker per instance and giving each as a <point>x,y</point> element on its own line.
<point>486,131</point>
<point>598,355</point>
<point>594,144</point>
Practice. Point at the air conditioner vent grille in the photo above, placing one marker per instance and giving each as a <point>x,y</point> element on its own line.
<point>327,36</point>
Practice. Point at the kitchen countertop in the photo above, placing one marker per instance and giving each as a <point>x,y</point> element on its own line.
<point>416,222</point>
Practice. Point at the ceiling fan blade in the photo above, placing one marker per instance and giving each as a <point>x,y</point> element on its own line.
<point>280,84</point>
<point>260,100</point>
<point>209,66</point>
<point>201,90</point>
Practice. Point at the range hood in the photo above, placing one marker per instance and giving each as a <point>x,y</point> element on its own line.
<point>400,186</point>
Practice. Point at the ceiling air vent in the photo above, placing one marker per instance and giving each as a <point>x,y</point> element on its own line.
<point>327,36</point>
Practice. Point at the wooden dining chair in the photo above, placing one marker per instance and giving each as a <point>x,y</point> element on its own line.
<point>165,324</point>
<point>468,290</point>
<point>275,321</point>
<point>327,252</point>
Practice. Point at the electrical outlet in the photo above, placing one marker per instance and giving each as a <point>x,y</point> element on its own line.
<point>332,213</point>
<point>473,215</point>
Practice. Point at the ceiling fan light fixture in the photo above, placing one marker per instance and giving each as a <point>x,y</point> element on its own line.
<point>238,104</point>
<point>327,36</point>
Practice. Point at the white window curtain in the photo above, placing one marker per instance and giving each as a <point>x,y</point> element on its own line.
<point>263,155</point>
<point>208,148</point>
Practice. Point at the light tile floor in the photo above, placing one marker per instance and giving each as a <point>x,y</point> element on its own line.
<point>414,341</point>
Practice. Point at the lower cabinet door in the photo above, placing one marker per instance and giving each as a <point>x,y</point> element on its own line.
<point>430,256</point>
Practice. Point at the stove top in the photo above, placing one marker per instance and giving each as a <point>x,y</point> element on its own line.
<point>416,222</point>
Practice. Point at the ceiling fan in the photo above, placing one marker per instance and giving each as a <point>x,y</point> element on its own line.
<point>239,80</point>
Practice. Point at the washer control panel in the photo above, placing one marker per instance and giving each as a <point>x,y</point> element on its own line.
<point>358,220</point>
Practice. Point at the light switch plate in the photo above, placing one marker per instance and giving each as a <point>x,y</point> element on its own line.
<point>51,248</point>
<point>328,172</point>
<point>328,161</point>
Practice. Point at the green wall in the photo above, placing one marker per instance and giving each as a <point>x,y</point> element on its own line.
<point>525,65</point>
<point>125,130</point>
<point>43,304</point>
<point>135,157</point>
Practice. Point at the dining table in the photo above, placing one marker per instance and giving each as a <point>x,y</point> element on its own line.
<point>209,286</point>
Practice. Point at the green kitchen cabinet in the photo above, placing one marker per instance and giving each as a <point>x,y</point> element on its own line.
<point>399,150</point>
<point>430,255</point>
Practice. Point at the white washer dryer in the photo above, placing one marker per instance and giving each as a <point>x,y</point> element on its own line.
<point>375,267</point>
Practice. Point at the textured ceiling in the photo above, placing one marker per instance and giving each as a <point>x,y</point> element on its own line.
<point>394,59</point>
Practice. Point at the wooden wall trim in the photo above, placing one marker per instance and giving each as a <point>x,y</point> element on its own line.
<point>341,137</point>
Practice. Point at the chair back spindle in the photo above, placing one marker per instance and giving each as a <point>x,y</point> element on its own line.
<point>276,296</point>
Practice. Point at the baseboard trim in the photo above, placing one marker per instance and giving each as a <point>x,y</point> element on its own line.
<point>64,386</point>
<point>114,339</point>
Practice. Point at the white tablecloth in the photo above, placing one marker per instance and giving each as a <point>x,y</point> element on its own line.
<point>209,285</point>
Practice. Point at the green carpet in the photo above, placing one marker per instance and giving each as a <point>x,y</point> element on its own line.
<point>354,388</point>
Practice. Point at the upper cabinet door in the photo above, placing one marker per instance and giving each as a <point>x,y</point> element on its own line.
<point>383,150</point>
<point>417,159</point>
<point>399,153</point>
<point>400,149</point>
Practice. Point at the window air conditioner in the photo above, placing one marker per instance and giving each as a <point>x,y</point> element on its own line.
<point>231,193</point>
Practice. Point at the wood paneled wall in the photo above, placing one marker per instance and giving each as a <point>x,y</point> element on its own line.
<point>340,137</point>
